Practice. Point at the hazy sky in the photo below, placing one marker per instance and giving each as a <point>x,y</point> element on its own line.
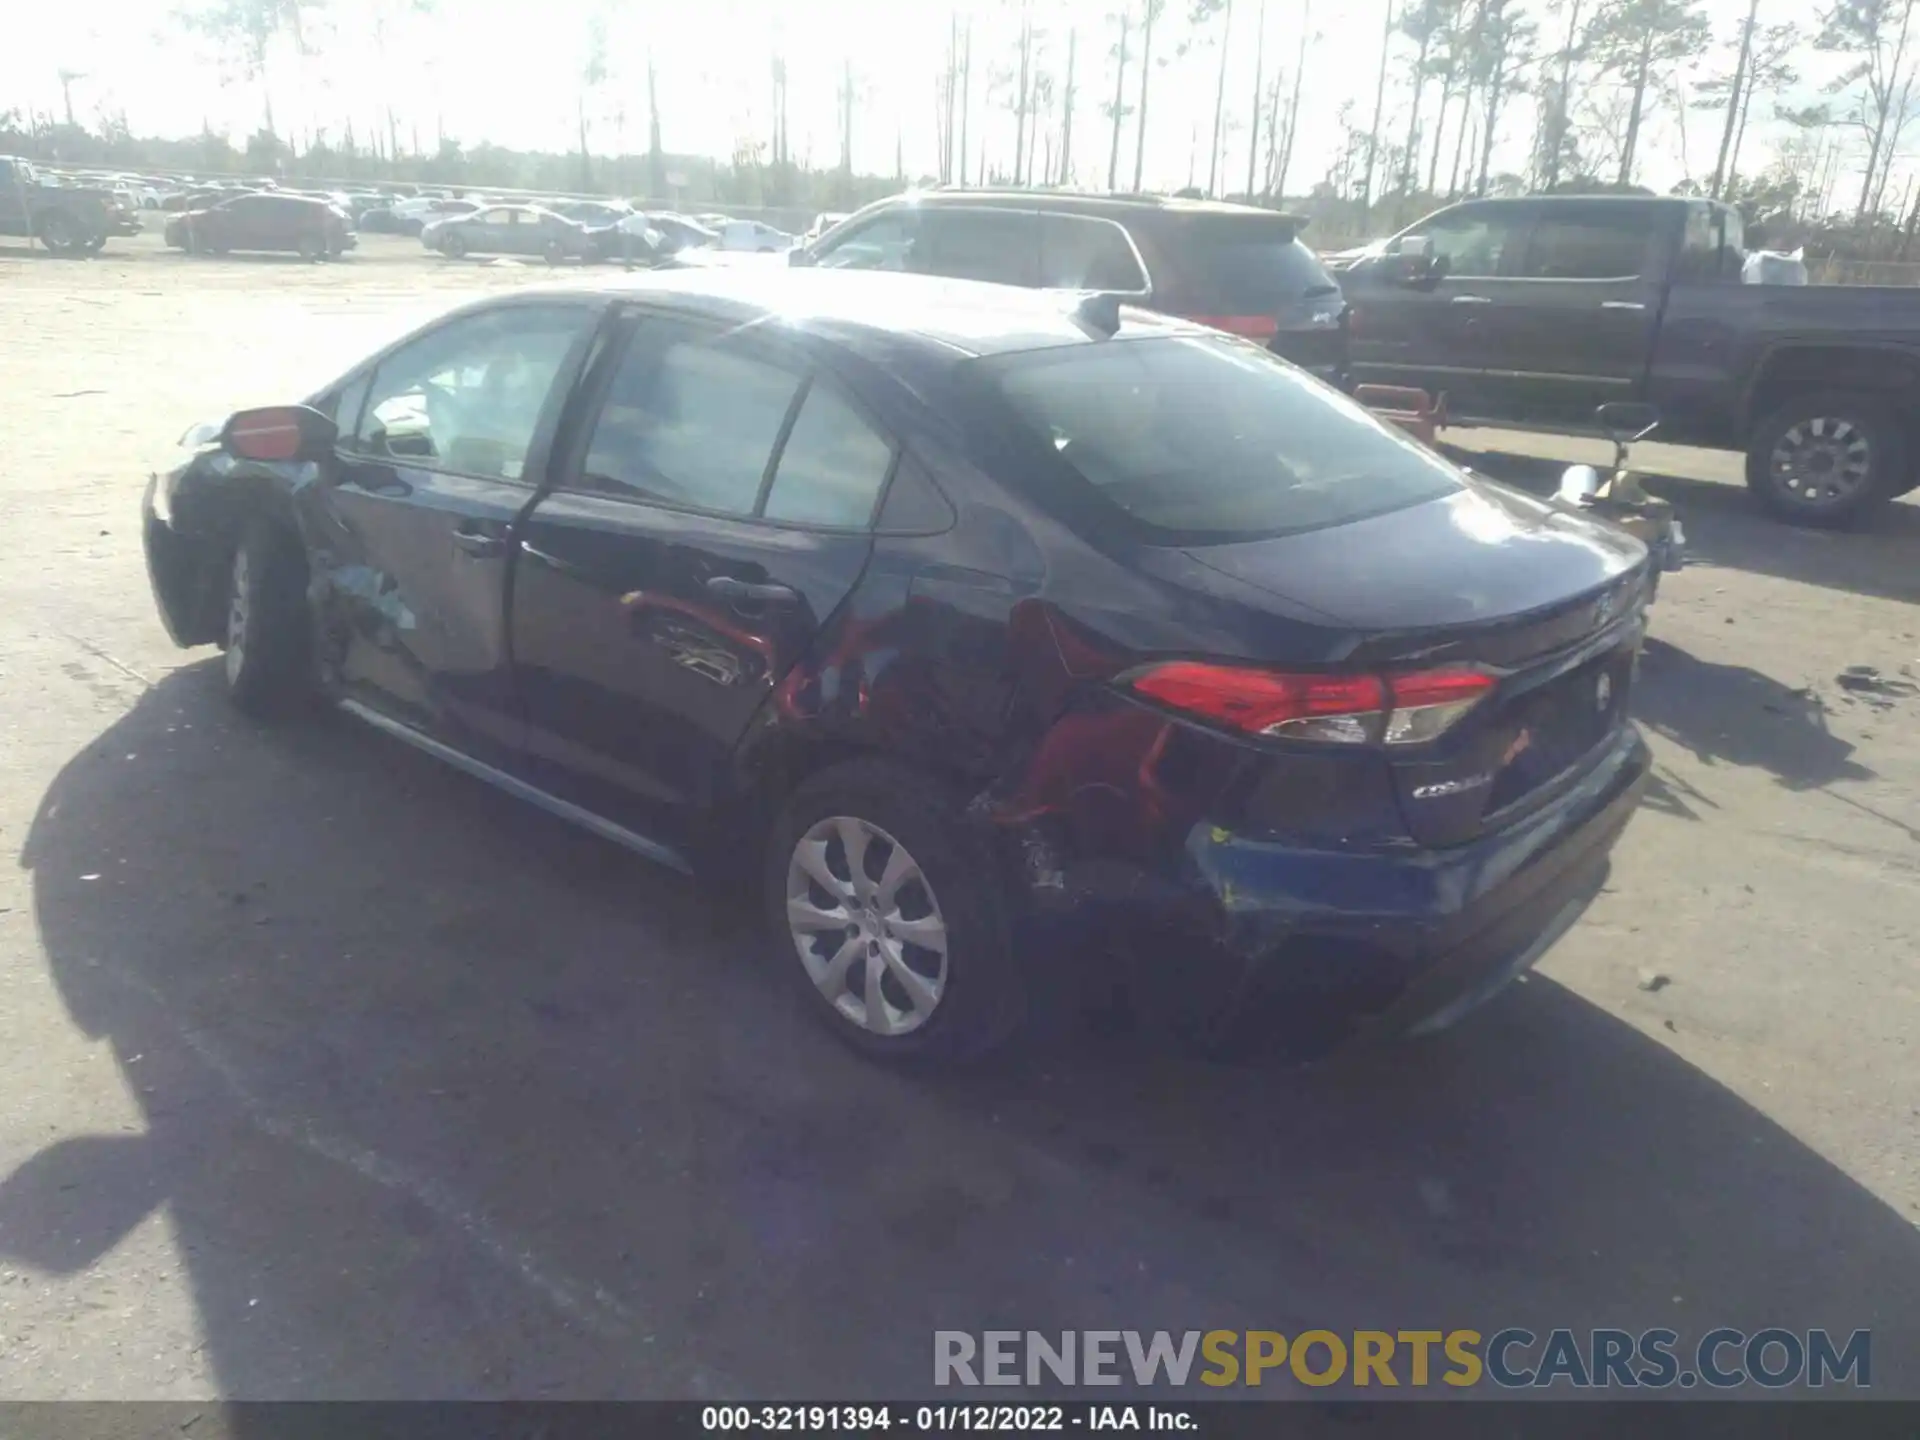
<point>508,71</point>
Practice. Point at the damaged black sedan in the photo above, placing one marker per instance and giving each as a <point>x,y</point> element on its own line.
<point>958,618</point>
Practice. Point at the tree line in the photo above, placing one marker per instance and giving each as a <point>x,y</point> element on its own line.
<point>1470,97</point>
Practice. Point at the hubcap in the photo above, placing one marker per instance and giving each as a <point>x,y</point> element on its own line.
<point>866,925</point>
<point>237,616</point>
<point>1822,461</point>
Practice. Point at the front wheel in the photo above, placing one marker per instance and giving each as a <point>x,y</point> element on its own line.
<point>267,637</point>
<point>1825,459</point>
<point>889,916</point>
<point>59,234</point>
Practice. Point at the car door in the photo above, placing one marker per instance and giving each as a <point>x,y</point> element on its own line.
<point>714,516</point>
<point>448,448</point>
<point>1573,326</point>
<point>1432,335</point>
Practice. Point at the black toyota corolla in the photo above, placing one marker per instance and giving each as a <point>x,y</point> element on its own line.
<point>960,619</point>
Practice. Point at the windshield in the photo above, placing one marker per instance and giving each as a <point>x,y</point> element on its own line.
<point>1200,440</point>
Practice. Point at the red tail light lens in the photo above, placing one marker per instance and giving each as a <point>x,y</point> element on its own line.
<point>1252,327</point>
<point>1331,709</point>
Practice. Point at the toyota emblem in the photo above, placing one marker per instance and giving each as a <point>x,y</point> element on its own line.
<point>1603,692</point>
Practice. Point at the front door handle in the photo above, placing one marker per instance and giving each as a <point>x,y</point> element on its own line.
<point>748,592</point>
<point>1472,300</point>
<point>1621,305</point>
<point>479,545</point>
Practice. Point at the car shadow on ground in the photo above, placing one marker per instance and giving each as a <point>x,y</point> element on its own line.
<point>1734,715</point>
<point>1724,527</point>
<point>441,1098</point>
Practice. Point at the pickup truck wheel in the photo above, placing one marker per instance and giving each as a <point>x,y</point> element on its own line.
<point>1826,458</point>
<point>58,233</point>
<point>312,248</point>
<point>889,916</point>
<point>266,636</point>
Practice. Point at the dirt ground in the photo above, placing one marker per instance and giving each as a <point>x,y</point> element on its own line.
<point>329,1073</point>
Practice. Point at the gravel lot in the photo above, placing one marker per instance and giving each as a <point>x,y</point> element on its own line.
<point>330,1073</point>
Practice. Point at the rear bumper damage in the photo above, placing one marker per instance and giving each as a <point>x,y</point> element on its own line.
<point>1324,946</point>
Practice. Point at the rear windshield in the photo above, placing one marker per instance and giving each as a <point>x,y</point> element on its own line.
<point>1200,441</point>
<point>1249,269</point>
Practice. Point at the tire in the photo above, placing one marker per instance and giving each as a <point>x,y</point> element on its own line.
<point>454,247</point>
<point>93,245</point>
<point>966,1003</point>
<point>267,636</point>
<point>555,252</point>
<point>312,248</point>
<point>59,233</point>
<point>1826,458</point>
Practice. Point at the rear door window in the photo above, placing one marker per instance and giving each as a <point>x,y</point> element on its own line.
<point>1083,252</point>
<point>691,420</point>
<point>832,467</point>
<point>1201,440</point>
<point>1255,268</point>
<point>998,245</point>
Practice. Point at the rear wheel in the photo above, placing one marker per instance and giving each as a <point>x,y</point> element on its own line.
<point>1824,459</point>
<point>312,248</point>
<point>454,247</point>
<point>267,637</point>
<point>889,916</point>
<point>555,252</point>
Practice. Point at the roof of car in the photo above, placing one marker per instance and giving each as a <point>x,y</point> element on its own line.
<point>1084,202</point>
<point>964,318</point>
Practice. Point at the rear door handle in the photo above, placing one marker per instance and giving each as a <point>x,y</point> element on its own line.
<point>1472,300</point>
<point>1621,305</point>
<point>480,545</point>
<point>750,592</point>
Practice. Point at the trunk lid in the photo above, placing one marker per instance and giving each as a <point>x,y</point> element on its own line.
<point>1551,603</point>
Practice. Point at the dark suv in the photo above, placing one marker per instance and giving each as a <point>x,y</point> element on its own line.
<point>1235,267</point>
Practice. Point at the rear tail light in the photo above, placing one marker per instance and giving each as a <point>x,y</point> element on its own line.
<point>1251,327</point>
<point>1331,709</point>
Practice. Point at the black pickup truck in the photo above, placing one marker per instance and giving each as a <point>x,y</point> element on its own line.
<point>67,219</point>
<point>1530,313</point>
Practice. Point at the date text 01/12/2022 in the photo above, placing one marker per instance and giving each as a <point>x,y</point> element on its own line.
<point>939,1419</point>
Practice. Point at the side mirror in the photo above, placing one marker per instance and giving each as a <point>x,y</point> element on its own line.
<point>1410,261</point>
<point>279,433</point>
<point>1578,484</point>
<point>1627,420</point>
